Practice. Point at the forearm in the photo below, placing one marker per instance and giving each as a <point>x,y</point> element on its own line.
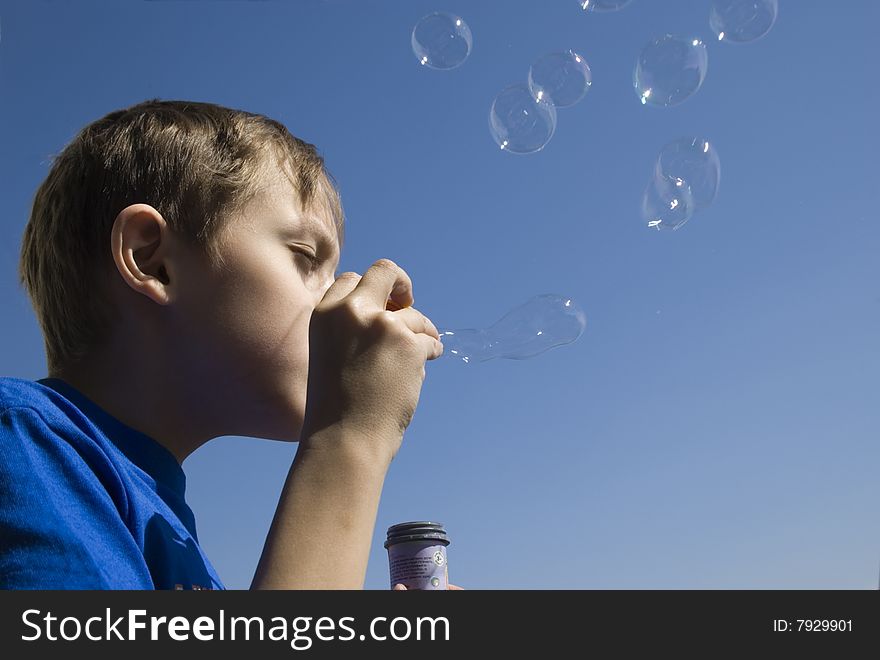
<point>323,527</point>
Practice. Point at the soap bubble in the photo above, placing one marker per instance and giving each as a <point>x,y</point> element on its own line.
<point>562,79</point>
<point>696,162</point>
<point>539,324</point>
<point>441,41</point>
<point>740,21</point>
<point>602,5</point>
<point>667,203</point>
<point>670,69</point>
<point>519,122</point>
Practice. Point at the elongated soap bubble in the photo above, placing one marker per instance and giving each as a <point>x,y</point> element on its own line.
<point>670,69</point>
<point>539,324</point>
<point>602,5</point>
<point>741,21</point>
<point>442,41</point>
<point>561,79</point>
<point>667,203</point>
<point>695,161</point>
<point>519,122</point>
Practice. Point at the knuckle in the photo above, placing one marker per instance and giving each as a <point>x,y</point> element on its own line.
<point>386,263</point>
<point>401,330</point>
<point>347,307</point>
<point>346,312</point>
<point>388,321</point>
<point>351,307</point>
<point>429,326</point>
<point>394,327</point>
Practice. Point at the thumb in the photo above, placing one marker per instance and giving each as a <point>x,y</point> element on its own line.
<point>399,587</point>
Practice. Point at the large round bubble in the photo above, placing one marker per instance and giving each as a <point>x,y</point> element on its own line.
<point>667,203</point>
<point>519,122</point>
<point>670,70</point>
<point>695,161</point>
<point>442,41</point>
<point>562,79</point>
<point>741,21</point>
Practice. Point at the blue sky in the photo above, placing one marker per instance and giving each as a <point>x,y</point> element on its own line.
<point>716,425</point>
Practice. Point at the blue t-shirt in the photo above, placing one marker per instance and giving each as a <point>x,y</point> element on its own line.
<point>87,502</point>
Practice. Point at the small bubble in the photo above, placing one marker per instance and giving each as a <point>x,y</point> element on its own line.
<point>441,41</point>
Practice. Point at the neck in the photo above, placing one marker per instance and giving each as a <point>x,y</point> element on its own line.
<point>154,403</point>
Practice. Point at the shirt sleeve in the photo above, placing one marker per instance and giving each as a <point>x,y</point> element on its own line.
<point>59,526</point>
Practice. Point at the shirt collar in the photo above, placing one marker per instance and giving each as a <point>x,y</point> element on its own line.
<point>141,449</point>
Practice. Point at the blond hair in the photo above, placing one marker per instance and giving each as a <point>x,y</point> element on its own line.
<point>198,164</point>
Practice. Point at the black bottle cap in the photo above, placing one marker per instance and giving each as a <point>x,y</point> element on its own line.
<point>421,530</point>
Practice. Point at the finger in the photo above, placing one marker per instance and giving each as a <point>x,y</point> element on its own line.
<point>452,587</point>
<point>417,322</point>
<point>386,279</point>
<point>433,347</point>
<point>345,283</point>
<point>399,587</point>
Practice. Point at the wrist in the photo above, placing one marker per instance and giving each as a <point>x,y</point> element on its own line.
<point>351,447</point>
<point>323,527</point>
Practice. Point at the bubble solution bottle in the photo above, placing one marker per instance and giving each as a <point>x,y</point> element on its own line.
<point>417,555</point>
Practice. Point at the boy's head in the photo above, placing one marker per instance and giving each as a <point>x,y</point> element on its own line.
<point>170,246</point>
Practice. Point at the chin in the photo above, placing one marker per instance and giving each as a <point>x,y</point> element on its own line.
<point>290,434</point>
<point>291,440</point>
<point>287,430</point>
<point>282,422</point>
<point>283,413</point>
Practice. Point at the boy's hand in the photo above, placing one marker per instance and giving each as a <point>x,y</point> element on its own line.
<point>366,363</point>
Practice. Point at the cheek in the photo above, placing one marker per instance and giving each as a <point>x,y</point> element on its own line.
<point>283,331</point>
<point>263,318</point>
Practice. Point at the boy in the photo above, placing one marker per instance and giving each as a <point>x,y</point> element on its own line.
<point>181,261</point>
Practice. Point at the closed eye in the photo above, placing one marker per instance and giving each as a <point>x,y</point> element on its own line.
<point>310,258</point>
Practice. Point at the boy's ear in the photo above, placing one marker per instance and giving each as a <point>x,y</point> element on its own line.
<point>141,242</point>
